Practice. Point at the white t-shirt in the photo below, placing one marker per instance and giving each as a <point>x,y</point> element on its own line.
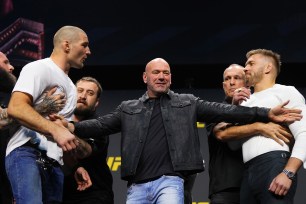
<point>35,79</point>
<point>257,145</point>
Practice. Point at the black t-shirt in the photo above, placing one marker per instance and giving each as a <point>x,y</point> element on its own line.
<point>101,190</point>
<point>155,158</point>
<point>225,165</point>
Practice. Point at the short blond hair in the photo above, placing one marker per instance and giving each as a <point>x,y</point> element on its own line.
<point>268,53</point>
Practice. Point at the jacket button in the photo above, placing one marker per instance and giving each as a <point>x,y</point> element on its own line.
<point>140,141</point>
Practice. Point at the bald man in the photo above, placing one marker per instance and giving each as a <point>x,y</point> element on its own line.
<point>159,137</point>
<point>34,153</point>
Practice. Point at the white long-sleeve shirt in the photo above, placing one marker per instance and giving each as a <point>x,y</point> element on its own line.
<point>271,97</point>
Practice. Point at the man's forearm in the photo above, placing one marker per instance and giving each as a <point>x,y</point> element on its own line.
<point>225,133</point>
<point>83,150</point>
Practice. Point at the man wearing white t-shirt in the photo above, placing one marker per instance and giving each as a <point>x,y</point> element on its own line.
<point>34,153</point>
<point>271,167</point>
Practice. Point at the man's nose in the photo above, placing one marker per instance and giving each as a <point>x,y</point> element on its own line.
<point>161,75</point>
<point>82,95</point>
<point>11,68</point>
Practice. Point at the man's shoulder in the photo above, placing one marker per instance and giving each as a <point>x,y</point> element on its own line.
<point>182,96</point>
<point>131,102</point>
<point>284,87</point>
<point>39,61</point>
<point>37,64</point>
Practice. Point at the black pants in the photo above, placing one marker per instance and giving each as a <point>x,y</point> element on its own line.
<point>188,185</point>
<point>232,196</point>
<point>258,175</point>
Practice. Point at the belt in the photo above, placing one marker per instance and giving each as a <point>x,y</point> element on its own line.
<point>43,159</point>
<point>268,155</point>
<point>30,144</point>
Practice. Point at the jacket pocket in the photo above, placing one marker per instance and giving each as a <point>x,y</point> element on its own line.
<point>181,104</point>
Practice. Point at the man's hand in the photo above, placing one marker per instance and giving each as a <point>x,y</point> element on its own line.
<point>82,178</point>
<point>65,139</point>
<point>280,114</point>
<point>59,119</point>
<point>240,95</point>
<point>52,103</point>
<point>280,185</point>
<point>276,132</point>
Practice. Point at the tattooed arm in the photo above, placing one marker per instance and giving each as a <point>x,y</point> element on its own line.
<point>83,150</point>
<point>52,103</point>
<point>5,120</point>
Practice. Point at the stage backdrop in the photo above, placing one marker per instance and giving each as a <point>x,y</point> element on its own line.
<point>111,99</point>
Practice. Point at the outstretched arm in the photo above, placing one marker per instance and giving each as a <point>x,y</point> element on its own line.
<point>83,149</point>
<point>280,114</point>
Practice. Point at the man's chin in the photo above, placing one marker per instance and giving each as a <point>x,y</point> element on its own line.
<point>78,66</point>
<point>161,91</point>
<point>81,106</point>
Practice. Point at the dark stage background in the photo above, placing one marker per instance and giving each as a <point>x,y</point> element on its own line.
<point>183,32</point>
<point>198,38</point>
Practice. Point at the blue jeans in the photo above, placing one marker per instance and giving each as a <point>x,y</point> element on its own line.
<point>164,190</point>
<point>31,182</point>
<point>258,175</point>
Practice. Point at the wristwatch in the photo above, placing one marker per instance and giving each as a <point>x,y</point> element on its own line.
<point>289,174</point>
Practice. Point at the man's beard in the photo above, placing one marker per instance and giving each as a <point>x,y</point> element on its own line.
<point>84,113</point>
<point>7,81</point>
<point>249,82</point>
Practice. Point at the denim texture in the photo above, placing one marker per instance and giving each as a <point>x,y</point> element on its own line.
<point>164,190</point>
<point>31,182</point>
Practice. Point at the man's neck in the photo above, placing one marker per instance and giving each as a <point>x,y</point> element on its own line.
<point>60,62</point>
<point>263,86</point>
<point>265,83</point>
<point>77,118</point>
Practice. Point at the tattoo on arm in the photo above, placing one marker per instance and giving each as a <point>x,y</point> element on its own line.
<point>47,106</point>
<point>5,120</point>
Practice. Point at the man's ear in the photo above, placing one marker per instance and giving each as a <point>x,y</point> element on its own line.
<point>66,46</point>
<point>268,68</point>
<point>144,77</point>
<point>97,103</point>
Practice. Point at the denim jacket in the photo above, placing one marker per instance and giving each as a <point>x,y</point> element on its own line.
<point>180,113</point>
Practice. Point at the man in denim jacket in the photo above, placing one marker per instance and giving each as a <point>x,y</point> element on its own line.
<point>160,144</point>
